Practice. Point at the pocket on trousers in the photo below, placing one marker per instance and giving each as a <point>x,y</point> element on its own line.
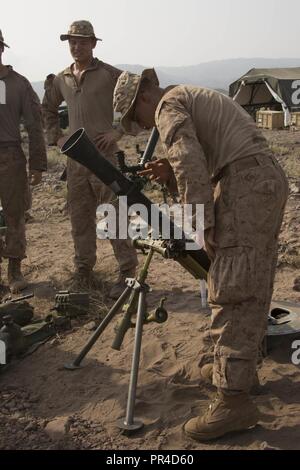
<point>258,205</point>
<point>232,275</point>
<point>234,373</point>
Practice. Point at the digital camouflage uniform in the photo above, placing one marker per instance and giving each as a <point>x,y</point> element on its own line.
<point>20,101</point>
<point>89,106</point>
<point>222,160</point>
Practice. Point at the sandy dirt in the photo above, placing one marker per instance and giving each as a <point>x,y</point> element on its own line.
<point>44,406</point>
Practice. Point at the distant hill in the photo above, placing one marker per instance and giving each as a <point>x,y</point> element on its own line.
<point>38,88</point>
<point>217,74</point>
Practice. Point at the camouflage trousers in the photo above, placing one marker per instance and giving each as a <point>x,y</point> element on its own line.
<point>85,193</point>
<point>249,208</point>
<point>15,200</point>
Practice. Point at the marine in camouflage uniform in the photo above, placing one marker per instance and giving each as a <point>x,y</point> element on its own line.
<point>220,159</point>
<point>18,101</point>
<point>89,98</point>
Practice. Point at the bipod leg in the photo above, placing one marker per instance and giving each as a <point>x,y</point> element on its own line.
<point>105,322</point>
<point>128,423</point>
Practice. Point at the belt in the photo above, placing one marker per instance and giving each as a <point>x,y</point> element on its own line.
<point>243,164</point>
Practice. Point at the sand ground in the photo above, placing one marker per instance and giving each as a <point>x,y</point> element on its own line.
<point>44,406</point>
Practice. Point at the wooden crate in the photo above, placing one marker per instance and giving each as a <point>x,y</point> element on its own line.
<point>270,119</point>
<point>295,119</point>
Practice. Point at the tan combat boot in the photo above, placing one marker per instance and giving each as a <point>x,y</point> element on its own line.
<point>226,414</point>
<point>117,290</point>
<point>206,373</point>
<point>16,280</point>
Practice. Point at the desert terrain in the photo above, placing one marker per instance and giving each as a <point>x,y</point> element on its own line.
<point>43,406</point>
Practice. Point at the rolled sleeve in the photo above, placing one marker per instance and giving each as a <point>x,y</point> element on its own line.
<point>187,158</point>
<point>31,112</point>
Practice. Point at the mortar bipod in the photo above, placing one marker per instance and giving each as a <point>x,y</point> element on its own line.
<point>137,290</point>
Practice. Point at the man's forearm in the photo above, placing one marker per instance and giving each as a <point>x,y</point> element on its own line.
<point>37,149</point>
<point>52,127</point>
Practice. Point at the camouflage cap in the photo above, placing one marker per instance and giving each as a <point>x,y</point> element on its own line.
<point>125,94</point>
<point>2,39</point>
<point>82,29</point>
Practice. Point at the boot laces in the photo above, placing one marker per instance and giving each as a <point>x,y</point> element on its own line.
<point>213,403</point>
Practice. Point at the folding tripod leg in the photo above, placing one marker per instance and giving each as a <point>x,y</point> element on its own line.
<point>88,346</point>
<point>128,423</point>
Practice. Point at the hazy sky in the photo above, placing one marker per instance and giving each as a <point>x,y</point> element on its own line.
<point>149,32</point>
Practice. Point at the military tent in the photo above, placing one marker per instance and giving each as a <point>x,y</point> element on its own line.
<point>269,88</point>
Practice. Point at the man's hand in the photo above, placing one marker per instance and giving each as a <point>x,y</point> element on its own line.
<point>35,177</point>
<point>159,171</point>
<point>105,140</point>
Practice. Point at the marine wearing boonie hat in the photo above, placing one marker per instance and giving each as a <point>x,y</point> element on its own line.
<point>81,29</point>
<point>125,94</point>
